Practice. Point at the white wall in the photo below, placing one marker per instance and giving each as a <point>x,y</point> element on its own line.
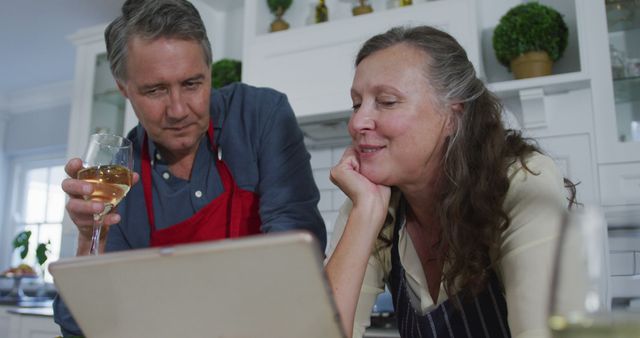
<point>331,198</point>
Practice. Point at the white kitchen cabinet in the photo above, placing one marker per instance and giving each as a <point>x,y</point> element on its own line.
<point>616,101</point>
<point>313,64</point>
<point>616,89</point>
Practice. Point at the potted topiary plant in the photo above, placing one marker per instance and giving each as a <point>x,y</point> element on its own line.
<point>224,72</point>
<point>278,7</point>
<point>529,38</point>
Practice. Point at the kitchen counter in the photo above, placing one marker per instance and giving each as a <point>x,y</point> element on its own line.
<point>38,302</point>
<point>27,322</point>
<point>381,333</point>
<point>36,311</point>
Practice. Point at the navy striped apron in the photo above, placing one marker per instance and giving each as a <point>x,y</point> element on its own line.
<point>484,315</point>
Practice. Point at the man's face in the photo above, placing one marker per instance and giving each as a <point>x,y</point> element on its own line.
<point>168,83</point>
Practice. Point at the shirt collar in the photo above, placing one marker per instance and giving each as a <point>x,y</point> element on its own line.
<point>154,154</point>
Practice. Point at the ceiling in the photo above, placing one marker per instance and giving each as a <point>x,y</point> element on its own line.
<point>33,38</point>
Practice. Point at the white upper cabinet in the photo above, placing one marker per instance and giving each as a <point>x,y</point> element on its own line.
<point>96,105</point>
<point>615,86</point>
<point>313,63</point>
<point>615,30</point>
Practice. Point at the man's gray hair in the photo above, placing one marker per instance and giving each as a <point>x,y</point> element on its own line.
<point>152,19</point>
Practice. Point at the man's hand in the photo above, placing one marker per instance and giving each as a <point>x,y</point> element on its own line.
<point>81,211</point>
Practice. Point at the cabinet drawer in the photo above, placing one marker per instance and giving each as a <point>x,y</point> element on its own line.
<point>620,184</point>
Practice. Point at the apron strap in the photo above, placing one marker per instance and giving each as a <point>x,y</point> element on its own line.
<point>147,181</point>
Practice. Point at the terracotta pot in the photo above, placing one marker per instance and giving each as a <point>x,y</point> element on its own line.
<point>362,9</point>
<point>531,64</point>
<point>279,24</point>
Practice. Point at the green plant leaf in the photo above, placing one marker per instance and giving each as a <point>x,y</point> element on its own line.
<point>41,252</point>
<point>22,241</point>
<point>274,4</point>
<point>224,72</point>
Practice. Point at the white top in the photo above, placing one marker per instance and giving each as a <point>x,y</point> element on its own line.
<point>535,205</point>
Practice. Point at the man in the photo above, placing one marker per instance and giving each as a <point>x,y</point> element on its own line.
<point>213,164</point>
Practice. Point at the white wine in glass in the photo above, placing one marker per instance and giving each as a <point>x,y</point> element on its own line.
<point>579,304</point>
<point>107,164</point>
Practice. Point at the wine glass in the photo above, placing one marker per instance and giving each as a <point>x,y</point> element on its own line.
<point>579,299</point>
<point>107,164</point>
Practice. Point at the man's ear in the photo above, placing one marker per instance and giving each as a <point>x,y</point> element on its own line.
<point>122,88</point>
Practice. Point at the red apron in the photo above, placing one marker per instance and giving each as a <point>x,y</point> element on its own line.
<point>232,214</point>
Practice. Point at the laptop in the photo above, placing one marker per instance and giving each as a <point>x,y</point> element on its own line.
<point>265,286</point>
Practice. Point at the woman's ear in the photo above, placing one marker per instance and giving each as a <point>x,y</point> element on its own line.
<point>453,118</point>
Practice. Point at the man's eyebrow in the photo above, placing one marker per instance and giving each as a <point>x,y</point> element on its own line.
<point>148,86</point>
<point>195,78</point>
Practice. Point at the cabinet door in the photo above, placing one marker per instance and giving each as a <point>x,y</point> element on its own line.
<point>313,64</point>
<point>97,105</point>
<point>615,51</point>
<point>572,154</point>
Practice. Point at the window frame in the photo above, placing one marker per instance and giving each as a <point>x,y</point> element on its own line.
<point>14,194</point>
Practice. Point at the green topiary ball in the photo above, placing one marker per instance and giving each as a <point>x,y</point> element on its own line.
<point>530,27</point>
<point>224,72</point>
<point>274,4</point>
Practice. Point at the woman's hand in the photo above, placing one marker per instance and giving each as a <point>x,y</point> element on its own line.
<point>346,267</point>
<point>360,190</point>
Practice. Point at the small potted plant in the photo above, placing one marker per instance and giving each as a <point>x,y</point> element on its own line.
<point>23,270</point>
<point>278,7</point>
<point>224,72</point>
<point>529,38</point>
<point>21,243</point>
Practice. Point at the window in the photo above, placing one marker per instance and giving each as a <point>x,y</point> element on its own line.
<point>37,205</point>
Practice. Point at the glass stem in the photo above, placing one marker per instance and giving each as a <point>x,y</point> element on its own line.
<point>95,237</point>
<point>98,219</point>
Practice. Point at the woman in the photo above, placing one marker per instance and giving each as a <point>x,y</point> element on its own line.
<point>454,213</point>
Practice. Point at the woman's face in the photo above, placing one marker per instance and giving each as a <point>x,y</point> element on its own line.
<point>397,127</point>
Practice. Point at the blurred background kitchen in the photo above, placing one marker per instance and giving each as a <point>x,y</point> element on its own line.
<point>56,89</point>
